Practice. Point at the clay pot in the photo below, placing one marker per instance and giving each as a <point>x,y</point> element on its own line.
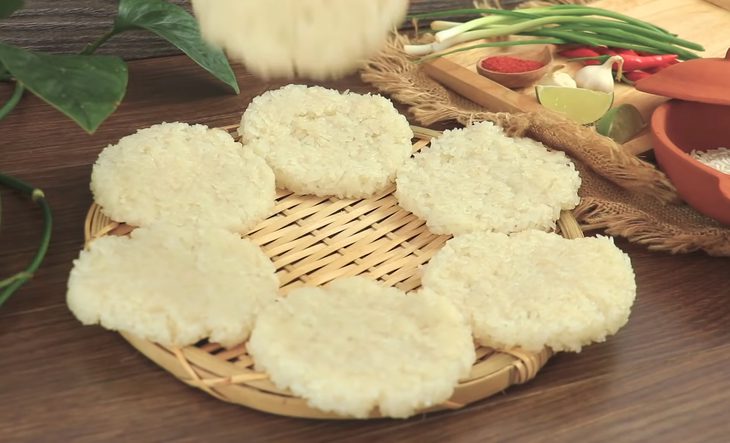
<point>678,127</point>
<point>519,79</point>
<point>698,118</point>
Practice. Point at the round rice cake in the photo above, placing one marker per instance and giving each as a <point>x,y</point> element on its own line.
<point>319,39</point>
<point>477,178</point>
<point>534,289</point>
<point>184,175</point>
<point>354,345</point>
<point>173,285</point>
<point>323,142</point>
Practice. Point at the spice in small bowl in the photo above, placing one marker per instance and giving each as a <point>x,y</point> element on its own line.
<point>516,71</point>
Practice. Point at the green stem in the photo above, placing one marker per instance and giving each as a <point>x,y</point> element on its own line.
<point>92,47</point>
<point>531,13</point>
<point>630,30</point>
<point>545,41</point>
<point>668,43</point>
<point>600,58</point>
<point>14,99</point>
<point>587,10</point>
<point>10,285</point>
<point>481,22</point>
<point>535,23</point>
<point>592,40</point>
<point>467,11</point>
<point>596,38</point>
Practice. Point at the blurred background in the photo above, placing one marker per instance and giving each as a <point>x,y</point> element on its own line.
<point>68,25</point>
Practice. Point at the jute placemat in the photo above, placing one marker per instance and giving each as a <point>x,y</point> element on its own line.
<point>620,193</point>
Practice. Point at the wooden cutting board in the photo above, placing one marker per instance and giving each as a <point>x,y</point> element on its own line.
<point>696,20</point>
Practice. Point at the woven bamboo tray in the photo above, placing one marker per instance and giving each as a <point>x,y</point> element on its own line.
<point>313,240</point>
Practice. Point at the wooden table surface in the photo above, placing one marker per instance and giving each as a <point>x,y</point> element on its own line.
<point>664,377</point>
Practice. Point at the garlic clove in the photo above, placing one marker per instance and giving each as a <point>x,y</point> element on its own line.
<point>562,79</point>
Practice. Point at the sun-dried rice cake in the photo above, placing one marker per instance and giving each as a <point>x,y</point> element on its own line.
<point>173,285</point>
<point>534,289</point>
<point>354,345</point>
<point>183,174</point>
<point>477,178</point>
<point>323,142</point>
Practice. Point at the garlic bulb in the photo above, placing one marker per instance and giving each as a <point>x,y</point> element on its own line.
<point>598,77</point>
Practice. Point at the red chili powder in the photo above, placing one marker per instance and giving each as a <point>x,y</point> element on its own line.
<point>503,63</point>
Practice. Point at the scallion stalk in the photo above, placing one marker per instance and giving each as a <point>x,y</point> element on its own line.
<point>631,32</point>
<point>566,23</point>
<point>588,10</point>
<point>591,40</point>
<point>467,11</point>
<point>604,37</point>
<point>543,41</point>
<point>636,37</point>
<point>440,25</point>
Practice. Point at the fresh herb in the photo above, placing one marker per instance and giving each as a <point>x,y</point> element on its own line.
<point>557,24</point>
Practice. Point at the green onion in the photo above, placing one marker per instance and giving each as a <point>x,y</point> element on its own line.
<point>467,11</point>
<point>630,31</point>
<point>592,40</point>
<point>587,10</point>
<point>637,38</point>
<point>597,38</point>
<point>440,25</point>
<point>567,23</point>
<point>544,41</point>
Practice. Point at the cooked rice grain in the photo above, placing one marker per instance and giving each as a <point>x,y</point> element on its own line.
<point>173,285</point>
<point>355,345</point>
<point>534,289</point>
<point>477,178</point>
<point>323,142</point>
<point>184,175</point>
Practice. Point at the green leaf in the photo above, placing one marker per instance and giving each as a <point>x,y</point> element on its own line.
<point>176,25</point>
<point>86,88</point>
<point>7,7</point>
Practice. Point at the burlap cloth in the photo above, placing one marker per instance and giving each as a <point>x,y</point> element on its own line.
<point>620,193</point>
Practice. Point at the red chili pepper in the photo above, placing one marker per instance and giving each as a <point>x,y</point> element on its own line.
<point>634,63</point>
<point>624,51</point>
<point>659,68</point>
<point>579,52</point>
<point>635,76</point>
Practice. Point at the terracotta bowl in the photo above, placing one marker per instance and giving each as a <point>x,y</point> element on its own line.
<point>520,79</point>
<point>678,127</point>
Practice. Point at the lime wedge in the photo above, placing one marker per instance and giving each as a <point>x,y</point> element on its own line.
<point>582,105</point>
<point>621,123</point>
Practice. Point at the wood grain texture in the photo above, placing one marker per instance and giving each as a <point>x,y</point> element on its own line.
<point>662,378</point>
<point>68,25</point>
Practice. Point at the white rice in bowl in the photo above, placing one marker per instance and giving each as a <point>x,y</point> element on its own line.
<point>354,345</point>
<point>534,289</point>
<point>477,178</point>
<point>323,142</point>
<point>173,285</point>
<point>319,39</point>
<point>184,175</point>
